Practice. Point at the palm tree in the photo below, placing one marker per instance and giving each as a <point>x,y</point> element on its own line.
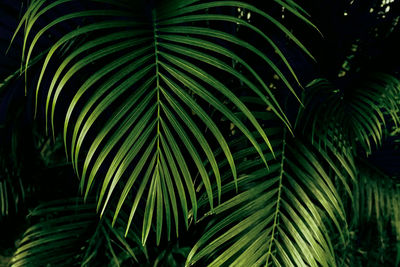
<point>194,140</point>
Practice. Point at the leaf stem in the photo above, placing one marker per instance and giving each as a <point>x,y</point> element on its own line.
<point>276,215</point>
<point>157,80</point>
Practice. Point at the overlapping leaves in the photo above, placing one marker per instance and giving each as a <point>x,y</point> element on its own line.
<point>281,216</point>
<point>147,68</point>
<point>377,199</point>
<point>67,233</point>
<point>373,219</point>
<point>356,115</point>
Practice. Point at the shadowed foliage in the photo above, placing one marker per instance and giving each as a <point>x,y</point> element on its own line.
<point>179,132</point>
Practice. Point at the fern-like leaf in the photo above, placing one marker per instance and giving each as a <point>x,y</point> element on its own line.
<point>148,68</point>
<point>282,216</point>
<point>68,233</point>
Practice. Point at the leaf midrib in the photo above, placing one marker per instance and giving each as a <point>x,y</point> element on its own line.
<point>276,213</point>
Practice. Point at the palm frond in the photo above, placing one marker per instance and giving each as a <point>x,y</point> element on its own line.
<point>12,188</point>
<point>68,233</point>
<point>354,115</point>
<point>147,71</point>
<point>373,220</point>
<point>359,116</point>
<point>377,200</point>
<point>282,216</point>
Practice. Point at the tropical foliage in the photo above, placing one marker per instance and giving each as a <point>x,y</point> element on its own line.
<point>194,138</point>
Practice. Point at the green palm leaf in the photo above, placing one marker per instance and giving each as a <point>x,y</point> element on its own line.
<point>354,115</point>
<point>373,219</point>
<point>376,199</point>
<point>152,71</point>
<point>282,216</point>
<point>68,233</point>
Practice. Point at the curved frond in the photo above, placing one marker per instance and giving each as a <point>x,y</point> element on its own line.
<point>67,233</point>
<point>354,115</point>
<point>155,76</point>
<point>282,216</point>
